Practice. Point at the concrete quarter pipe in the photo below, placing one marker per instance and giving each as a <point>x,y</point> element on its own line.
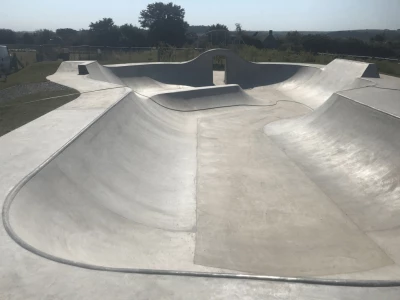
<point>282,183</point>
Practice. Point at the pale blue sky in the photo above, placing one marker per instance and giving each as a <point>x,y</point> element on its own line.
<point>314,15</point>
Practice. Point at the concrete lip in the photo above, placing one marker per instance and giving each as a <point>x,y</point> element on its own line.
<point>287,172</point>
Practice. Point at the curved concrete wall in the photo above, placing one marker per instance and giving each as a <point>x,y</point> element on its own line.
<point>137,167</point>
<point>198,72</point>
<point>207,98</point>
<point>343,139</point>
<point>351,151</point>
<point>311,85</point>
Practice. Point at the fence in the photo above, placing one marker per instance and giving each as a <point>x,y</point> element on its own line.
<point>112,55</point>
<point>29,54</point>
<point>361,57</point>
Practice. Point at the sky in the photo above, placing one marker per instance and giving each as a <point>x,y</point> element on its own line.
<point>278,15</point>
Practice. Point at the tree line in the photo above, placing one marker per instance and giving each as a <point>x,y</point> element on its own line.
<point>164,24</point>
<point>159,23</point>
<point>378,46</point>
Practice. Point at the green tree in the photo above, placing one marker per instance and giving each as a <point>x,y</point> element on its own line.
<point>132,36</point>
<point>378,38</point>
<point>83,37</point>
<point>218,34</point>
<point>7,36</point>
<point>43,36</point>
<point>293,37</point>
<point>293,41</point>
<point>67,35</point>
<point>319,43</point>
<point>238,29</point>
<point>165,22</point>
<point>104,33</point>
<point>252,41</point>
<point>28,39</point>
<point>218,27</point>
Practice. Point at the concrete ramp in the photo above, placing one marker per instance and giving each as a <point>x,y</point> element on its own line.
<point>314,88</point>
<point>104,219</point>
<point>288,172</point>
<point>345,139</point>
<point>207,98</point>
<point>351,151</point>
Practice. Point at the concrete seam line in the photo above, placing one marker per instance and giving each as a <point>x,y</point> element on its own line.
<point>357,88</point>
<point>195,185</point>
<point>56,97</point>
<point>219,107</point>
<point>384,88</point>
<point>39,100</point>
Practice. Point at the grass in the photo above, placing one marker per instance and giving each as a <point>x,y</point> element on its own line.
<point>36,72</point>
<point>122,57</point>
<point>116,56</point>
<point>266,55</point>
<point>247,52</point>
<point>271,55</point>
<point>26,58</point>
<point>145,56</point>
<point>27,108</point>
<point>387,67</point>
<point>39,96</point>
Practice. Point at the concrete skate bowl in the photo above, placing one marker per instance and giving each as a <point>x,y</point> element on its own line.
<point>289,170</point>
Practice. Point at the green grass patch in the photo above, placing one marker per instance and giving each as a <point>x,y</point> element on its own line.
<point>268,55</point>
<point>24,109</point>
<point>36,72</point>
<point>27,108</point>
<point>388,67</point>
<point>271,55</point>
<point>39,96</point>
<point>121,57</point>
<point>26,58</point>
<point>146,56</point>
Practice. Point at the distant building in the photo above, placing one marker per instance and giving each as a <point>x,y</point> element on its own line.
<point>270,41</point>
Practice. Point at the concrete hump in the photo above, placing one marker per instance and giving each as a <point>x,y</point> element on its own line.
<point>98,72</point>
<point>73,67</point>
<point>205,98</point>
<point>343,67</point>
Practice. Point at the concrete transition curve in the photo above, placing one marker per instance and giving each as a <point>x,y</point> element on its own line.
<point>286,172</point>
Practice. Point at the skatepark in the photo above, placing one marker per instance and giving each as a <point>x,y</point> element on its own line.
<point>169,180</point>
